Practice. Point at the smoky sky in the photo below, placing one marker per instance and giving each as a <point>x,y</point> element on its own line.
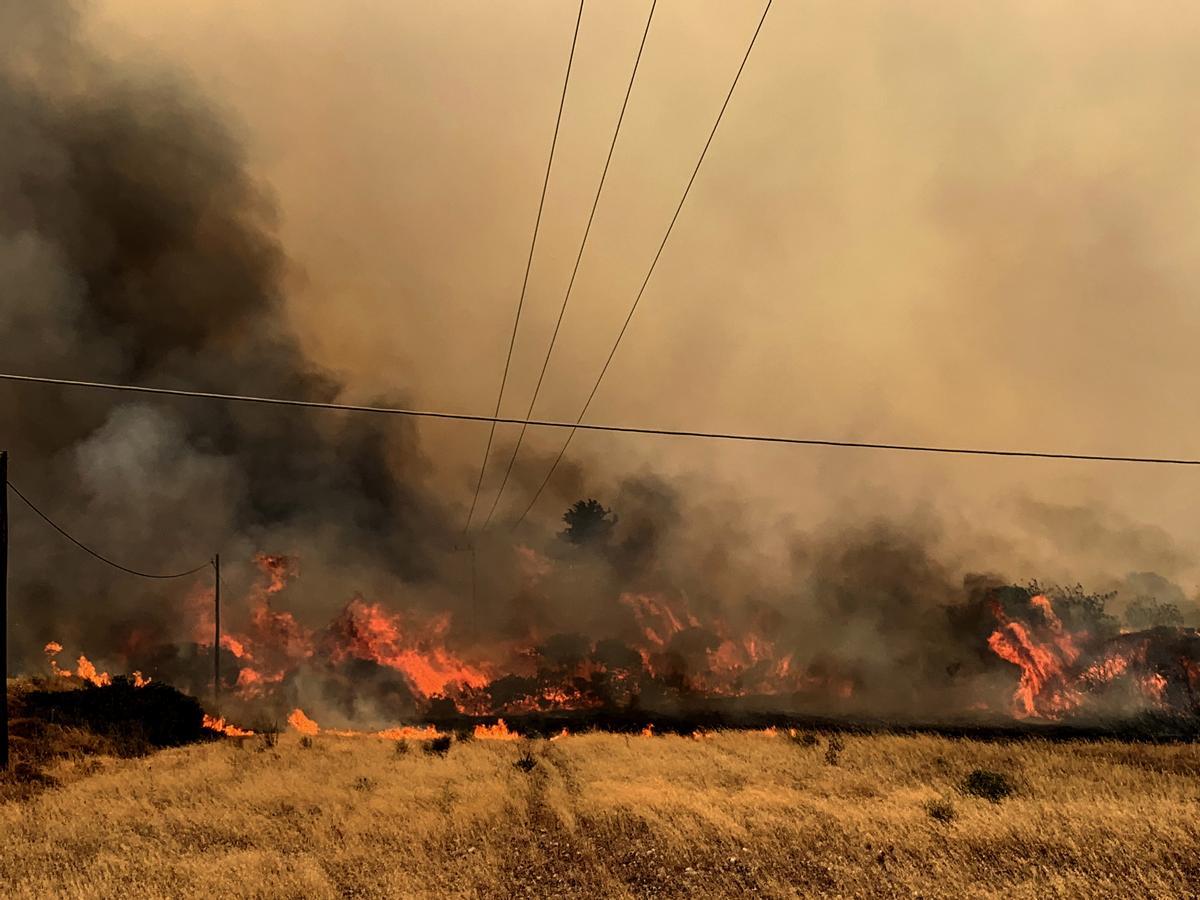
<point>964,224</point>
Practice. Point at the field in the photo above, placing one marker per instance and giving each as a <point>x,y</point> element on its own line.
<point>602,815</point>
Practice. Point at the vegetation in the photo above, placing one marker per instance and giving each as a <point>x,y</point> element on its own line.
<point>602,815</point>
<point>941,811</point>
<point>992,786</point>
<point>588,522</point>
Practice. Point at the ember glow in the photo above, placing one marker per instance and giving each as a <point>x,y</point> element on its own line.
<point>373,665</point>
<point>666,650</point>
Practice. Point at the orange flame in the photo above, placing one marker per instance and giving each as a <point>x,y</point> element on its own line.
<point>497,732</point>
<point>302,723</point>
<point>1043,689</point>
<point>219,724</point>
<point>85,670</point>
<point>371,633</point>
<point>409,733</point>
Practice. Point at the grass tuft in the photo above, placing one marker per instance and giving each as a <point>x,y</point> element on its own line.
<point>438,746</point>
<point>941,811</point>
<point>991,786</point>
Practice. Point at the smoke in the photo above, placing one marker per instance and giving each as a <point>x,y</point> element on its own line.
<point>139,242</point>
<point>136,247</point>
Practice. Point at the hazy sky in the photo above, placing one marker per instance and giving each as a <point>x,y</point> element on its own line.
<point>964,223</point>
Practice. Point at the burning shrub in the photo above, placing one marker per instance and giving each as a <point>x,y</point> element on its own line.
<point>991,786</point>
<point>438,746</point>
<point>941,811</point>
<point>136,719</point>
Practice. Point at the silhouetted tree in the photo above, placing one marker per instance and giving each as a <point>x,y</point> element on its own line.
<point>588,522</point>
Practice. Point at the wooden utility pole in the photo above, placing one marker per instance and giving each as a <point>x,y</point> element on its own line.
<point>216,563</point>
<point>4,608</point>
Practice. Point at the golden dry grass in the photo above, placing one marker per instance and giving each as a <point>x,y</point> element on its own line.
<point>736,814</point>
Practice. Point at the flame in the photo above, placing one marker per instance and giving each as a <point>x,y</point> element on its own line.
<point>219,724</point>
<point>85,670</point>
<point>497,732</point>
<point>409,732</point>
<point>299,721</point>
<point>648,731</point>
<point>1154,686</point>
<point>1056,677</point>
<point>369,632</point>
<point>302,723</point>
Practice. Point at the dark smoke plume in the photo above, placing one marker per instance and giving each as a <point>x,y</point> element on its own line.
<point>135,247</point>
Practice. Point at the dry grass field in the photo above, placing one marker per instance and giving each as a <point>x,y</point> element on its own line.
<point>600,815</point>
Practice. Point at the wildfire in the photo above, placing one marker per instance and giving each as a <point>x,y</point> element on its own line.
<point>85,669</point>
<point>302,723</point>
<point>497,732</point>
<point>213,723</point>
<point>1060,669</point>
<point>417,650</point>
<point>1043,688</point>
<point>660,650</point>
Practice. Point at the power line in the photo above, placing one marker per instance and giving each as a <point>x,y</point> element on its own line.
<point>528,265</point>
<point>653,264</point>
<point>615,429</point>
<point>575,271</point>
<point>90,551</point>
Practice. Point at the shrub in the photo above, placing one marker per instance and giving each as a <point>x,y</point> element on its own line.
<point>24,781</point>
<point>306,743</point>
<point>834,748</point>
<point>525,762</point>
<point>268,736</point>
<point>438,746</point>
<point>402,748</point>
<point>802,738</point>
<point>991,786</point>
<point>135,719</point>
<point>941,811</point>
<point>363,783</point>
<point>464,736</point>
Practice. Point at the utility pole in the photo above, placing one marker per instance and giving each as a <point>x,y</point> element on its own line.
<point>216,564</point>
<point>4,608</point>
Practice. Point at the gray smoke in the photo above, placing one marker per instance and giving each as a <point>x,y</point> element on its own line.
<point>134,247</point>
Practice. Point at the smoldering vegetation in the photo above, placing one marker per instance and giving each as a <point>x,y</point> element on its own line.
<point>135,246</point>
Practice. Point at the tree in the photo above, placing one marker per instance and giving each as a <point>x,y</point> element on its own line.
<point>588,522</point>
